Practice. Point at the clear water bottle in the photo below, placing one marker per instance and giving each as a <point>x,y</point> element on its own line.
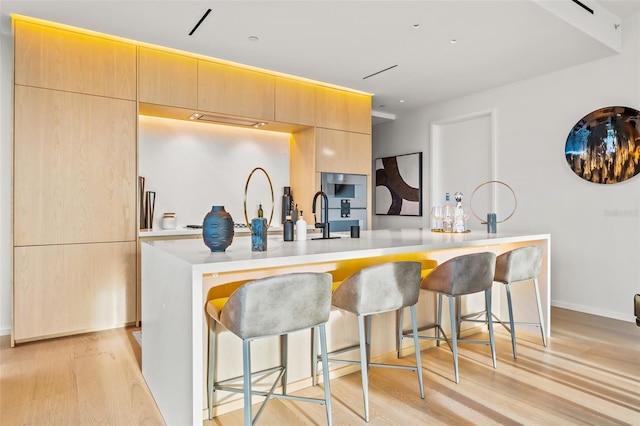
<point>448,213</point>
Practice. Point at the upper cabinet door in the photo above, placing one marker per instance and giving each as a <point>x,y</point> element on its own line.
<point>341,110</point>
<point>343,152</point>
<point>167,78</point>
<point>64,60</point>
<point>295,102</point>
<point>74,168</point>
<point>235,91</point>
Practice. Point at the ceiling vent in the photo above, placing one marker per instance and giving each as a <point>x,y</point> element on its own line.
<point>584,6</point>
<point>200,22</point>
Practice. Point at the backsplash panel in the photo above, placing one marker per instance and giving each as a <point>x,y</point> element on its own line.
<point>193,166</point>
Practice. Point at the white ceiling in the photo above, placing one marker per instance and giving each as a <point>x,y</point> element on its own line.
<point>341,42</point>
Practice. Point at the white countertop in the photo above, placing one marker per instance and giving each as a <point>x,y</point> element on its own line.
<point>239,256</point>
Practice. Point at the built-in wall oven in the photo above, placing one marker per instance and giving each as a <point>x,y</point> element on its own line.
<point>347,195</point>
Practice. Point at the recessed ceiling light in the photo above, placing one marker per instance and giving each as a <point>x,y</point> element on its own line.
<point>401,101</point>
<point>253,38</point>
<point>453,41</point>
<point>416,25</point>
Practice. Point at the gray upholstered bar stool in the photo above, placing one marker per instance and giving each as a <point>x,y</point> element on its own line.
<point>517,266</point>
<point>466,274</point>
<point>272,306</point>
<point>373,290</point>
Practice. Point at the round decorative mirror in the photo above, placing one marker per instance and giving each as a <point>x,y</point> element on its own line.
<point>604,146</point>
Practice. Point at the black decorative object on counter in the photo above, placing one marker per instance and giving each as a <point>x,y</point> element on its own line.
<point>217,229</point>
<point>288,229</point>
<point>287,200</point>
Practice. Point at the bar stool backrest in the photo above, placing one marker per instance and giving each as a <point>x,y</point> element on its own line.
<point>380,288</point>
<point>521,264</point>
<point>278,305</point>
<point>466,274</point>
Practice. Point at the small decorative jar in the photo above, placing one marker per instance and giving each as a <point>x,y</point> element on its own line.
<point>169,221</point>
<point>217,229</point>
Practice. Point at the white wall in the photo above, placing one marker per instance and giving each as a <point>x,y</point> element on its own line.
<point>193,166</point>
<point>595,229</point>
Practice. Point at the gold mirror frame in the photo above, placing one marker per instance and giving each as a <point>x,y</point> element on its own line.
<point>273,201</point>
<point>515,200</point>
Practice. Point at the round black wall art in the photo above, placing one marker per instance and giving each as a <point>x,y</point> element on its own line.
<point>604,146</point>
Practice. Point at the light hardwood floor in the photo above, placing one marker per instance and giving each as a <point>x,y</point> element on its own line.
<point>589,374</point>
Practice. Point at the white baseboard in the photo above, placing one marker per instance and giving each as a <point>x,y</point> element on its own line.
<point>5,331</point>
<point>598,312</point>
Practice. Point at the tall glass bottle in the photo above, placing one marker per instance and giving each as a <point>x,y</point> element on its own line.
<point>447,221</point>
<point>459,219</point>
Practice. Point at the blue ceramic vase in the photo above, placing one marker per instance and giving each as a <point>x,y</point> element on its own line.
<point>217,229</point>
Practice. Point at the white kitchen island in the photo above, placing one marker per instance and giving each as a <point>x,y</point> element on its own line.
<point>179,276</point>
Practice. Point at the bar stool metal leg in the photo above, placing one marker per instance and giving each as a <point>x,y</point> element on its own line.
<point>284,359</point>
<point>454,337</point>
<point>439,327</point>
<point>544,336</point>
<point>363,365</point>
<point>416,344</point>
<point>212,366</point>
<point>325,372</point>
<point>492,343</point>
<point>314,356</point>
<point>246,381</point>
<point>512,324</point>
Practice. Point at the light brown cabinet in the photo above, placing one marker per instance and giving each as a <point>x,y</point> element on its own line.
<point>58,59</point>
<point>342,110</point>
<point>75,168</point>
<point>67,289</point>
<point>295,102</point>
<point>74,182</point>
<point>167,78</point>
<point>241,92</point>
<point>343,152</point>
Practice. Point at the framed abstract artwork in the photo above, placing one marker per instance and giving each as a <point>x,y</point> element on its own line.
<point>399,185</point>
<point>604,146</point>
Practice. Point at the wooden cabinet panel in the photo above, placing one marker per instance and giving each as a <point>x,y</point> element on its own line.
<point>38,188</point>
<point>68,289</point>
<point>235,91</point>
<point>303,178</point>
<point>167,78</point>
<point>343,152</point>
<point>66,60</point>
<point>75,168</point>
<point>295,102</point>
<point>341,110</point>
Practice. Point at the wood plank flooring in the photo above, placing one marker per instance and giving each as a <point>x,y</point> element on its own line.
<point>588,375</point>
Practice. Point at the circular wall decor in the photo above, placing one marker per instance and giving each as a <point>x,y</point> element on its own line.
<point>604,146</point>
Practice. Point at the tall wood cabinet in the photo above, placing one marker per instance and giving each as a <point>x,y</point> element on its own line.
<point>75,182</point>
<point>339,143</point>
